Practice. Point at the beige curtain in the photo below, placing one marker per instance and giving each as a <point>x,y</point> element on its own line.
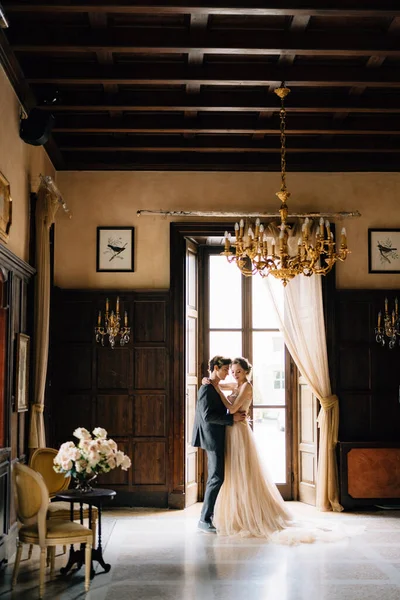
<point>46,208</point>
<point>303,328</point>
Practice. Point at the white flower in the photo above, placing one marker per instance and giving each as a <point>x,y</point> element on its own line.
<point>119,457</point>
<point>82,434</point>
<point>99,432</point>
<point>126,463</point>
<point>111,462</point>
<point>112,444</point>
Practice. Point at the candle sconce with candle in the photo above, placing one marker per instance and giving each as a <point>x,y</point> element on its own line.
<point>390,327</point>
<point>112,326</point>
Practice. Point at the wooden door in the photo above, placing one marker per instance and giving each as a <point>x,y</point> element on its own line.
<point>308,442</point>
<point>191,385</point>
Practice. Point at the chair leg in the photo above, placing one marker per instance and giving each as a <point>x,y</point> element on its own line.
<point>94,530</point>
<point>16,564</point>
<point>41,573</point>
<point>30,551</point>
<point>88,564</point>
<point>52,560</point>
<point>64,549</point>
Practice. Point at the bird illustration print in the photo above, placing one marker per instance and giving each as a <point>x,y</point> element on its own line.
<point>115,248</point>
<point>386,251</point>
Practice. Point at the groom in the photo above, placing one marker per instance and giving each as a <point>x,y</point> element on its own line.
<point>209,434</point>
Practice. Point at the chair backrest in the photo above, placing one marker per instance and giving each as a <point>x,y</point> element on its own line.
<point>42,462</point>
<point>31,498</point>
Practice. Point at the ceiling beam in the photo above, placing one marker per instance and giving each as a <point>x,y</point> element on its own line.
<point>226,124</point>
<point>228,74</point>
<point>277,8</point>
<point>296,142</point>
<point>133,40</point>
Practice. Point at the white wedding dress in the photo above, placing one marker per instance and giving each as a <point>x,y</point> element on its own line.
<point>249,503</point>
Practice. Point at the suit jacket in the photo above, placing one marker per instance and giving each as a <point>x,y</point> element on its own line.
<point>210,420</point>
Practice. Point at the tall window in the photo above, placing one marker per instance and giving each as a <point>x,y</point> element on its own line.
<point>241,322</point>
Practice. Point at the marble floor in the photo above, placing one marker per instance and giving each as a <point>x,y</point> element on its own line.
<point>160,555</point>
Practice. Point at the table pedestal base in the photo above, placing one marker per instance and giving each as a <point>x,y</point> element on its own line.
<point>78,557</point>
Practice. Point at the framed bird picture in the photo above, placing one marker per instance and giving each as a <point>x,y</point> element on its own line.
<point>115,249</point>
<point>384,250</point>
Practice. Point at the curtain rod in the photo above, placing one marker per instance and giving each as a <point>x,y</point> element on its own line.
<point>202,213</point>
<point>48,182</point>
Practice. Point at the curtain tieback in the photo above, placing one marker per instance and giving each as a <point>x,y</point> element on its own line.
<point>39,408</point>
<point>329,402</point>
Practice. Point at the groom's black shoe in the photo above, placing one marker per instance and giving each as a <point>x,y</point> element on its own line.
<point>206,526</point>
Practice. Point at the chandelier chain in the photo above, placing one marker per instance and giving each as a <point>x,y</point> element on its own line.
<point>283,146</point>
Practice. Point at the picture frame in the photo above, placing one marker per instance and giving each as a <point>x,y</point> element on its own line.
<point>115,249</point>
<point>383,250</point>
<point>5,208</point>
<point>22,372</point>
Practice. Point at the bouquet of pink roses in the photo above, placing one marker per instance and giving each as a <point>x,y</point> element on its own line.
<point>92,455</point>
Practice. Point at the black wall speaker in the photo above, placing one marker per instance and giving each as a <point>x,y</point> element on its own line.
<point>36,129</point>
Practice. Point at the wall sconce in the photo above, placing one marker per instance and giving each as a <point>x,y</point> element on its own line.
<point>391,325</point>
<point>112,327</point>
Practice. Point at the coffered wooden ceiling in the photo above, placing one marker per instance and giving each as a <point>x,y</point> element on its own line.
<point>186,85</point>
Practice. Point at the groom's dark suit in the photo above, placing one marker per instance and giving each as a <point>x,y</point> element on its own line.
<point>209,433</point>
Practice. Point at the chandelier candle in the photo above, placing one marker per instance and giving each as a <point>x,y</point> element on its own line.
<point>313,257</point>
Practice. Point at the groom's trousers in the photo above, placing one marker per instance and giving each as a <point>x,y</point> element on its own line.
<point>215,480</point>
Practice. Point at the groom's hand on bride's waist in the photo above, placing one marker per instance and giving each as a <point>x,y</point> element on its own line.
<point>239,416</point>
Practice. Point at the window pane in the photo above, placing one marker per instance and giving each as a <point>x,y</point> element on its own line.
<point>268,367</point>
<point>263,308</point>
<point>269,431</point>
<point>226,343</point>
<point>225,294</point>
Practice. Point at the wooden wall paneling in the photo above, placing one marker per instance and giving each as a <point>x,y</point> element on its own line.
<point>149,321</point>
<point>368,387</point>
<point>150,372</point>
<point>72,410</point>
<point>125,389</point>
<point>150,415</point>
<point>113,367</point>
<point>114,413</point>
<point>149,463</point>
<point>355,415</point>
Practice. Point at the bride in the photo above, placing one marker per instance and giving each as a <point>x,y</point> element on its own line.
<point>249,503</point>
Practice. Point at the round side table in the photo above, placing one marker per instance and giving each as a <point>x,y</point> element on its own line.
<point>94,498</point>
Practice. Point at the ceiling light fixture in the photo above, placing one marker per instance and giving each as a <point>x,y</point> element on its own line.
<point>255,252</point>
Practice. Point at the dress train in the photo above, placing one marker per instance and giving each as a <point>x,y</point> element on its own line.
<point>249,503</point>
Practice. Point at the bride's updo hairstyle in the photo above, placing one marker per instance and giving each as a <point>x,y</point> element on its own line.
<point>218,361</point>
<point>244,364</point>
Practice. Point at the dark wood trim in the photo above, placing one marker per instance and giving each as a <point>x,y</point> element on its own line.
<point>178,233</point>
<point>136,40</point>
<point>41,72</point>
<point>255,8</point>
<point>10,261</point>
<point>225,123</point>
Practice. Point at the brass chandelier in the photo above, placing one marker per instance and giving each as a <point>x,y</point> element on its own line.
<point>255,254</point>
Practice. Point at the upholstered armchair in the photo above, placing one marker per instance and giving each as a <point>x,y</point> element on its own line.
<point>32,503</point>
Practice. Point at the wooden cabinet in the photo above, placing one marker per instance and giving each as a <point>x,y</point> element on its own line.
<point>16,315</point>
